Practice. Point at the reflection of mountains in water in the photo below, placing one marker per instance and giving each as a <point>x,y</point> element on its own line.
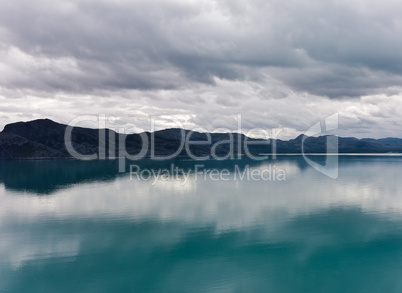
<point>48,176</point>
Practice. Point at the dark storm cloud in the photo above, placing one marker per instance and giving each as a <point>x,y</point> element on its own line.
<point>332,48</point>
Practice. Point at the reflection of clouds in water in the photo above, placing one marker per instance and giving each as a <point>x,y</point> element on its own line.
<point>249,230</point>
<point>290,168</point>
<point>17,247</point>
<point>228,204</point>
<point>175,255</point>
<point>224,205</point>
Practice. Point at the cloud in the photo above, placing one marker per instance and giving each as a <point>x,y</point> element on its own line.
<point>280,64</point>
<point>155,45</point>
<point>205,107</point>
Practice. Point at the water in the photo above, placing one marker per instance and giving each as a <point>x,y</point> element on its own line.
<point>69,226</point>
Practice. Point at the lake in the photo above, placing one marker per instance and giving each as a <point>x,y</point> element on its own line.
<point>185,226</point>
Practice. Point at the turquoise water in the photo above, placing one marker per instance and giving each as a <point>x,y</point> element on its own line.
<point>69,226</point>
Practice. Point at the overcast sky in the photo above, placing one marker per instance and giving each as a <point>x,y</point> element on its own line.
<point>280,64</point>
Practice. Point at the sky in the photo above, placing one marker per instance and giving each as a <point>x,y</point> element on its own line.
<point>280,66</point>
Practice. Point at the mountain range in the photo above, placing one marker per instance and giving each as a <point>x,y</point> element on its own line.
<point>44,138</point>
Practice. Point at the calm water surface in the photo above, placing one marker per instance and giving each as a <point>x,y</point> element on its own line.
<point>69,226</point>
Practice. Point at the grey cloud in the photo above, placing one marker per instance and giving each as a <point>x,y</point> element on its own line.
<point>159,45</point>
<point>281,64</point>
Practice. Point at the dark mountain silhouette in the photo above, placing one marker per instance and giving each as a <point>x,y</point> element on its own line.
<point>45,138</point>
<point>15,146</point>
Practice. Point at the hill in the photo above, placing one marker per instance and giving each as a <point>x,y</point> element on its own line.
<point>45,138</point>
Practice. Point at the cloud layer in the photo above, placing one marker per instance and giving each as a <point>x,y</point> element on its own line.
<point>281,64</point>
